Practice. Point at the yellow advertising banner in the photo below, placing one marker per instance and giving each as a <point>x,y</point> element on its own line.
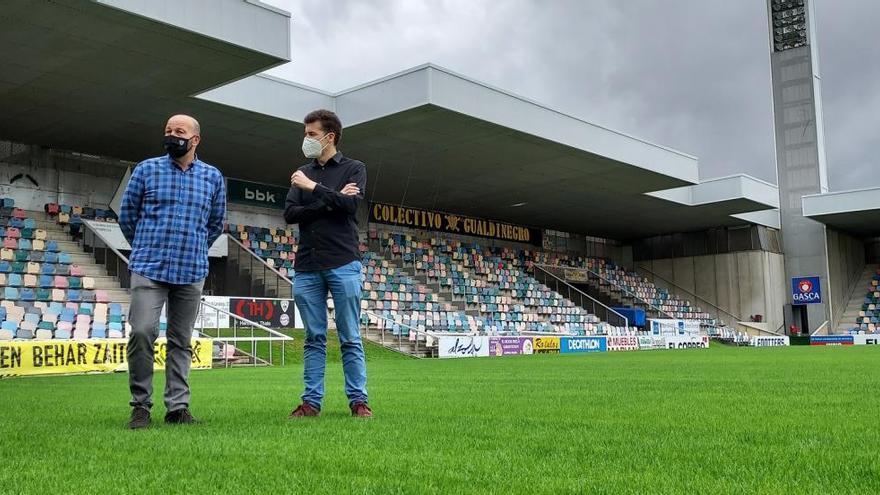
<point>545,345</point>
<point>577,275</point>
<point>451,223</point>
<point>50,357</point>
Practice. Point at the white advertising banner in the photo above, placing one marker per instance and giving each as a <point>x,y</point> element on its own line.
<point>463,346</point>
<point>623,343</point>
<point>112,235</point>
<point>674,327</point>
<point>770,341</point>
<point>651,342</point>
<point>687,341</point>
<point>208,318</point>
<point>866,339</point>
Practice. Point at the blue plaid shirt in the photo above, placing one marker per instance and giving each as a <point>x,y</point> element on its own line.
<point>171,218</point>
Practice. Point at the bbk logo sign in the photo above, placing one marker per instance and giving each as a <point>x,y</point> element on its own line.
<point>258,195</point>
<point>806,290</point>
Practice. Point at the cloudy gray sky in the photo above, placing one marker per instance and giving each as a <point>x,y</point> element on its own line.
<point>689,74</point>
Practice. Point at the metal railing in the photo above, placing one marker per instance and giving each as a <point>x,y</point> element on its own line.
<point>116,265</point>
<point>242,331</point>
<point>111,259</point>
<point>838,315</point>
<point>579,297</point>
<point>818,331</point>
<point>272,282</point>
<point>720,314</point>
<point>761,331</point>
<point>589,303</point>
<point>408,344</point>
<point>604,280</point>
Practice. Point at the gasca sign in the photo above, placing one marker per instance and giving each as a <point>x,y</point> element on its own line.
<point>806,290</point>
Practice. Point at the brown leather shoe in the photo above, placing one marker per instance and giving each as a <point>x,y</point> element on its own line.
<point>180,417</point>
<point>361,410</point>
<point>305,410</point>
<point>140,418</point>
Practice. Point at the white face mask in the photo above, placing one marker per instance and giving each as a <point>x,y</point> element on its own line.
<point>312,147</point>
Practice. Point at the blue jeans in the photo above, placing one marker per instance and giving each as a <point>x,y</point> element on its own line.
<point>310,292</point>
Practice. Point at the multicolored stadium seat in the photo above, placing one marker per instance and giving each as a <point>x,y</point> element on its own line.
<point>276,246</point>
<point>451,286</point>
<point>426,283</point>
<point>868,320</point>
<point>43,294</point>
<point>492,283</point>
<point>72,216</point>
<point>630,282</point>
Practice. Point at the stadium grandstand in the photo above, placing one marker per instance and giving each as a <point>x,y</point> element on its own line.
<point>492,227</point>
<point>485,213</point>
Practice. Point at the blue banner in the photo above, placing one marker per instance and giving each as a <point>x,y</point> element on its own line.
<point>831,340</point>
<point>583,344</point>
<point>806,290</point>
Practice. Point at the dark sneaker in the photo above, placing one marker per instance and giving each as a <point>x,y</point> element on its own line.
<point>361,410</point>
<point>305,410</point>
<point>180,417</point>
<point>140,418</point>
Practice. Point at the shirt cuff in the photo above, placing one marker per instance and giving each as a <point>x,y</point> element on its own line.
<point>320,190</point>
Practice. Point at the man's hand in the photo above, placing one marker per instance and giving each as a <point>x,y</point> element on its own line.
<point>350,190</point>
<point>299,179</point>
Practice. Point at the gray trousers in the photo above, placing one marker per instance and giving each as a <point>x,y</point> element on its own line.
<point>147,298</point>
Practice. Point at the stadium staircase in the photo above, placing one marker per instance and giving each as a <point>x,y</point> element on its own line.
<point>619,296</point>
<point>80,255</point>
<point>51,287</point>
<point>604,290</point>
<point>658,297</point>
<point>854,315</point>
<point>258,278</point>
<point>616,296</point>
<point>96,257</point>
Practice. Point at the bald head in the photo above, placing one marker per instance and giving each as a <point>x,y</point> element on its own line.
<point>184,122</point>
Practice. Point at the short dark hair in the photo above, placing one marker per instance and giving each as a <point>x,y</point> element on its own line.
<point>329,122</point>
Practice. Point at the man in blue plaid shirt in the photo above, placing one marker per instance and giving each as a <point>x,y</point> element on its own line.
<point>173,209</point>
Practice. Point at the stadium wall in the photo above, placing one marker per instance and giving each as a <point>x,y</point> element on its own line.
<point>363,213</point>
<point>255,216</point>
<point>61,177</point>
<point>846,262</point>
<point>78,179</point>
<point>872,250</point>
<point>576,245</point>
<point>744,283</point>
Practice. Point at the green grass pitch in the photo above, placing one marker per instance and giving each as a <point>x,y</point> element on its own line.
<point>723,420</point>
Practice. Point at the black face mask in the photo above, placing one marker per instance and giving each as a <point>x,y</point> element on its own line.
<point>176,146</point>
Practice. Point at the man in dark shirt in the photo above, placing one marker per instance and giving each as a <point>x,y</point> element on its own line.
<point>323,200</point>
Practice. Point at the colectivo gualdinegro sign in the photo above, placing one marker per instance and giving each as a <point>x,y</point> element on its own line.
<point>451,223</point>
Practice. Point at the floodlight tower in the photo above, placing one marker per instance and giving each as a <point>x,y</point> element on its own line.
<point>800,154</point>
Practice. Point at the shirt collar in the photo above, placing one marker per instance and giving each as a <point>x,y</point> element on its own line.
<point>192,165</point>
<point>337,158</point>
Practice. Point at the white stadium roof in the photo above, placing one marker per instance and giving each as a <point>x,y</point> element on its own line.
<point>102,77</point>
